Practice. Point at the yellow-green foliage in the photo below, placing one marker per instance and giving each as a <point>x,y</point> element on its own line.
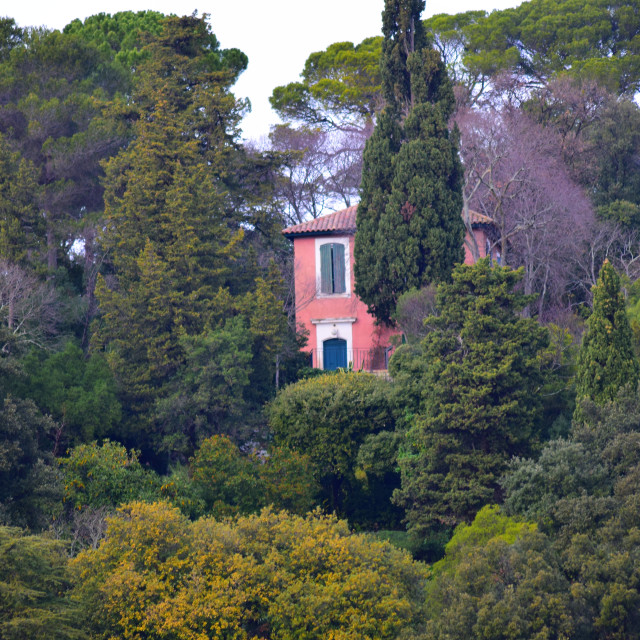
<point>231,483</point>
<point>500,579</point>
<point>34,588</point>
<point>105,475</point>
<point>488,527</point>
<point>287,480</point>
<point>226,480</point>
<point>329,416</point>
<point>273,575</point>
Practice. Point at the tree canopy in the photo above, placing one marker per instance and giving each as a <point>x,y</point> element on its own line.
<point>271,575</point>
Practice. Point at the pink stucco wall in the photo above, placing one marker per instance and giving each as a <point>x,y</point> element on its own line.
<point>481,239</point>
<point>312,308</point>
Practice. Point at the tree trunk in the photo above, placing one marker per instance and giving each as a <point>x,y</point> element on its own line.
<point>52,249</point>
<point>91,273</point>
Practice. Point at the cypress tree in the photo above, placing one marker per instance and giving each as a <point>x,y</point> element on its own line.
<point>410,230</point>
<point>606,361</point>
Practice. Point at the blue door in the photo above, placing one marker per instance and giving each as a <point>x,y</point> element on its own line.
<point>334,354</point>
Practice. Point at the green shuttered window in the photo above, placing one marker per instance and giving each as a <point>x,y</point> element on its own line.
<point>332,270</point>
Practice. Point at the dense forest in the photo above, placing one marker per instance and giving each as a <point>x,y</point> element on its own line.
<point>171,468</point>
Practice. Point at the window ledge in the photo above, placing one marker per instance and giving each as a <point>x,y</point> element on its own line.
<point>331,320</point>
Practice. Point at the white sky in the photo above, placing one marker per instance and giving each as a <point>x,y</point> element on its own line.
<point>276,35</point>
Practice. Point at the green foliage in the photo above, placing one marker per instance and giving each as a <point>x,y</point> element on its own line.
<point>633,313</point>
<point>30,485</point>
<point>606,361</point>
<point>266,576</point>
<point>539,39</point>
<point>207,394</point>
<point>589,39</point>
<point>54,89</point>
<point>34,589</point>
<point>78,393</point>
<point>228,371</point>
<point>287,480</point>
<point>377,471</point>
<point>170,239</point>
<point>412,308</point>
<point>616,139</point>
<point>557,363</point>
<point>328,418</point>
<point>339,84</point>
<point>565,469</point>
<point>489,524</point>
<point>272,340</point>
<point>21,225</point>
<point>451,36</point>
<point>499,579</point>
<point>11,36</point>
<point>120,39</point>
<point>105,475</point>
<point>378,454</point>
<point>408,369</point>
<point>226,480</point>
<point>584,492</point>
<point>175,203</point>
<point>404,35</point>
<point>410,231</point>
<point>581,469</point>
<point>480,398</point>
<point>426,549</point>
<point>179,489</point>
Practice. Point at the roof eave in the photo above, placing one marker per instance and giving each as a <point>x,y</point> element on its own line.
<point>303,234</point>
<point>482,225</point>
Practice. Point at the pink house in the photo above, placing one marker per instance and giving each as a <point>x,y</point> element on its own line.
<point>341,331</point>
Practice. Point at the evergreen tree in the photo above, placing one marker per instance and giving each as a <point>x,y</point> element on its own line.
<point>30,487</point>
<point>35,586</point>
<point>480,397</point>
<point>21,225</point>
<point>410,230</point>
<point>175,201</point>
<point>606,361</point>
<point>169,234</point>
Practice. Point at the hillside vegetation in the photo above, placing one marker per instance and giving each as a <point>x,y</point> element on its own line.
<point>170,468</point>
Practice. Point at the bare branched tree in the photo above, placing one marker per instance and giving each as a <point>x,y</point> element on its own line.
<point>29,309</point>
<point>514,174</point>
<point>320,169</point>
<point>600,241</point>
<point>82,529</point>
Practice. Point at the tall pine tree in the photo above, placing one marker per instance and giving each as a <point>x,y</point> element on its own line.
<point>175,202</point>
<point>170,234</point>
<point>606,361</point>
<point>410,230</point>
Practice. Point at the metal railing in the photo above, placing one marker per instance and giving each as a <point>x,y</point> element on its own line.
<point>376,359</point>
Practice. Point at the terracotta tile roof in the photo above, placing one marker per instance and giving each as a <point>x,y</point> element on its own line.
<point>338,222</point>
<point>479,218</point>
<point>344,221</point>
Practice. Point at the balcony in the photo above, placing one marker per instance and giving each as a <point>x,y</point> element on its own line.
<point>376,359</point>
